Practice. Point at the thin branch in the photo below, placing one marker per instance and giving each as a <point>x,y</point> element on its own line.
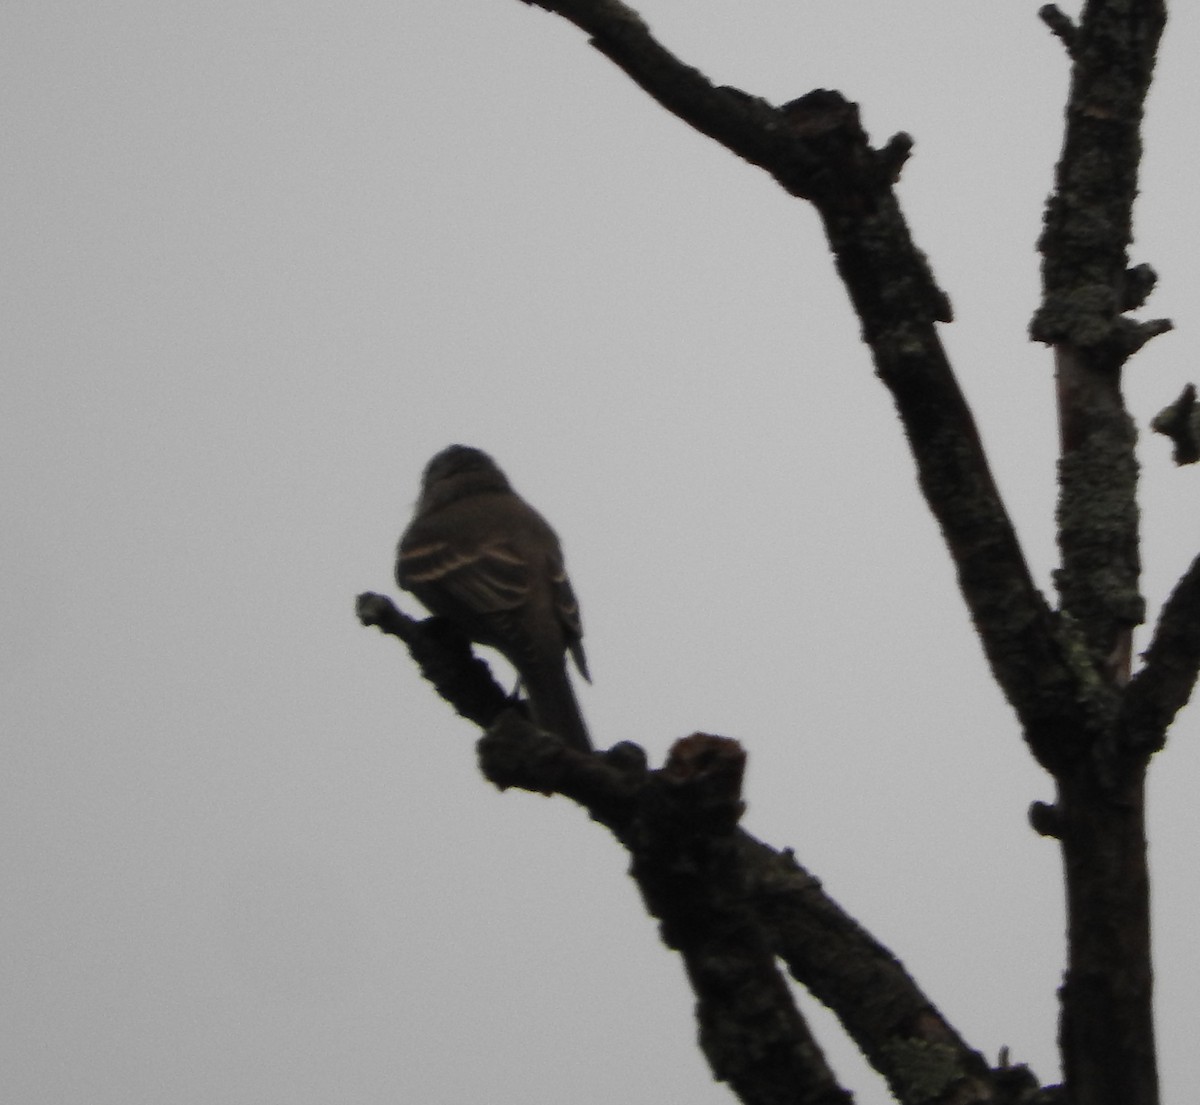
<point>444,657</point>
<point>1167,678</point>
<point>895,1025</point>
<point>1060,23</point>
<point>745,124</point>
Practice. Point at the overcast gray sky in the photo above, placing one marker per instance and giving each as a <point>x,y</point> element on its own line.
<point>261,261</point>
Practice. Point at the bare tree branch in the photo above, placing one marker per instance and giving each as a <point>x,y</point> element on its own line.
<point>1107,1029</point>
<point>763,900</point>
<point>1087,287</point>
<point>895,1025</point>
<point>444,657</point>
<point>730,904</point>
<point>899,1030</point>
<point>680,827</point>
<point>1166,681</point>
<point>816,148</point>
<point>1060,23</point>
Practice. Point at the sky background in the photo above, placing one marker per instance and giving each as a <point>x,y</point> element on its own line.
<point>261,261</point>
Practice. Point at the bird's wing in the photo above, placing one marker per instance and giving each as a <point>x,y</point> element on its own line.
<point>487,579</point>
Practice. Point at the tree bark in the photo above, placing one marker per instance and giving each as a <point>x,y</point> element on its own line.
<point>1106,1034</point>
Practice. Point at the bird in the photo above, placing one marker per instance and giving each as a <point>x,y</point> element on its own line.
<point>478,555</point>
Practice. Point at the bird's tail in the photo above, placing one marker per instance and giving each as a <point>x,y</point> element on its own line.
<point>555,709</point>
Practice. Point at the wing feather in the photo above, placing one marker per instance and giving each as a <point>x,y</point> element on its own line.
<point>486,580</point>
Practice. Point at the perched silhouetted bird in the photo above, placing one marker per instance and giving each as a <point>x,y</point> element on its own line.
<point>479,555</point>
